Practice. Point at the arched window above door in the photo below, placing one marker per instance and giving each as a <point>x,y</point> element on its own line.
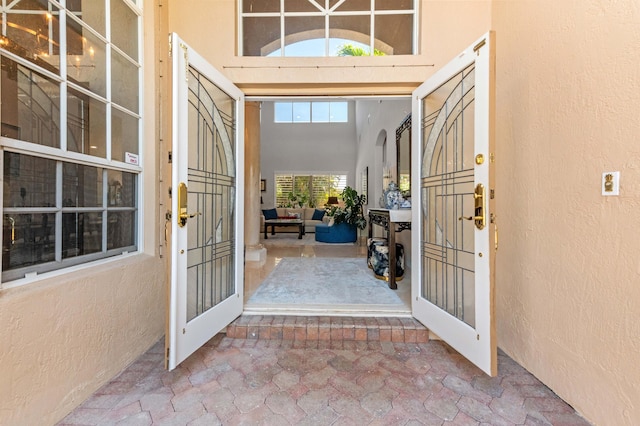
<point>277,28</point>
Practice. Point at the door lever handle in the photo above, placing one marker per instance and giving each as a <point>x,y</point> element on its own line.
<point>471,217</point>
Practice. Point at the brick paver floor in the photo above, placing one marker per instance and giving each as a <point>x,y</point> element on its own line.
<point>295,382</point>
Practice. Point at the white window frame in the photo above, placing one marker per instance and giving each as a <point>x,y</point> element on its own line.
<point>62,155</point>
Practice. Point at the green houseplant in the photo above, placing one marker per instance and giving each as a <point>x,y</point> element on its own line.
<point>352,212</point>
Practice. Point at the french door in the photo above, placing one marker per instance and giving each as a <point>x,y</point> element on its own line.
<point>207,239</point>
<point>455,235</point>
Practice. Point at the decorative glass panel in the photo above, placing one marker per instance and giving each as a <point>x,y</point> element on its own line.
<point>447,185</point>
<point>211,193</point>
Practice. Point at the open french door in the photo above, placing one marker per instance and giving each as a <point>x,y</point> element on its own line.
<point>454,230</point>
<point>207,264</point>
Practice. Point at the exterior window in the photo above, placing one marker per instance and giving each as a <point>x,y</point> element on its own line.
<point>327,28</point>
<point>70,133</point>
<point>308,190</point>
<point>311,112</point>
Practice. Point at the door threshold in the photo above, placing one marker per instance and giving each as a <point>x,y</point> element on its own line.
<point>396,311</point>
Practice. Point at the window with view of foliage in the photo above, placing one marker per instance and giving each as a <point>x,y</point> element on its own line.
<point>327,27</point>
<point>312,190</point>
<point>70,126</point>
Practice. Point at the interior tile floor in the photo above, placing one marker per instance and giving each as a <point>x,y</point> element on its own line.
<point>335,378</point>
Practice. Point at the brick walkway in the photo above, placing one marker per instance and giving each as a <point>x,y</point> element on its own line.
<point>322,382</point>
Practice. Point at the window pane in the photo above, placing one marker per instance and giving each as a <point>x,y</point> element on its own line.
<point>300,6</point>
<point>122,189</point>
<point>29,181</point>
<point>261,36</point>
<point>283,112</point>
<point>299,28</point>
<point>354,5</point>
<point>320,112</point>
<point>357,28</point>
<point>259,6</point>
<point>394,4</point>
<point>86,124</point>
<point>30,105</point>
<point>28,239</point>
<point>33,35</point>
<point>124,28</point>
<point>301,112</point>
<point>339,112</point>
<point>81,186</point>
<point>91,12</point>
<point>121,229</point>
<point>87,67</point>
<point>124,134</point>
<point>401,38</point>
<point>124,89</point>
<point>81,234</point>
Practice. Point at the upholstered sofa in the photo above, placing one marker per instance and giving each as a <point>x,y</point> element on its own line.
<point>311,217</point>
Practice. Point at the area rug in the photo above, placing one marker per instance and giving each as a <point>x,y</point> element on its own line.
<point>337,282</point>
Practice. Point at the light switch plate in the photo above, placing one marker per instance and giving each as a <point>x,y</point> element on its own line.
<point>610,183</point>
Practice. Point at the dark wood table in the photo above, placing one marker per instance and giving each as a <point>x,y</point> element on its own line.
<point>283,222</point>
<point>381,217</point>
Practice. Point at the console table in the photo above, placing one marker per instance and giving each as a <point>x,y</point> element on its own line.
<point>390,220</point>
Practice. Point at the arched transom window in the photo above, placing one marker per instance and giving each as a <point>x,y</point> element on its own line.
<point>327,27</point>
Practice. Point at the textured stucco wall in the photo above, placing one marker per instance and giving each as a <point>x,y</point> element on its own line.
<point>568,268</point>
<point>65,337</point>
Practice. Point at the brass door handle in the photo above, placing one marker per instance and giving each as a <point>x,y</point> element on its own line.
<point>183,216</point>
<point>479,208</point>
<point>471,217</point>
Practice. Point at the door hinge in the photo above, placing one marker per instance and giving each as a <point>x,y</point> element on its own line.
<point>170,156</point>
<point>477,47</point>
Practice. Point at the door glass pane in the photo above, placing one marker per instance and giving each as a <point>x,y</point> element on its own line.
<point>86,124</point>
<point>447,172</point>
<point>211,186</point>
<point>30,105</point>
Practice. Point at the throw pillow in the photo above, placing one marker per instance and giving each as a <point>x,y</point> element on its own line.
<point>270,214</point>
<point>318,214</point>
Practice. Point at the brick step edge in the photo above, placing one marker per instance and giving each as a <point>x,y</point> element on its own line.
<point>367,329</point>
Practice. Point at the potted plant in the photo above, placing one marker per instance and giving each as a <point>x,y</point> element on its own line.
<point>351,213</point>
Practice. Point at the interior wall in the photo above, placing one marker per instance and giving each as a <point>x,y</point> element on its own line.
<point>568,268</point>
<point>65,336</point>
<point>300,147</point>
